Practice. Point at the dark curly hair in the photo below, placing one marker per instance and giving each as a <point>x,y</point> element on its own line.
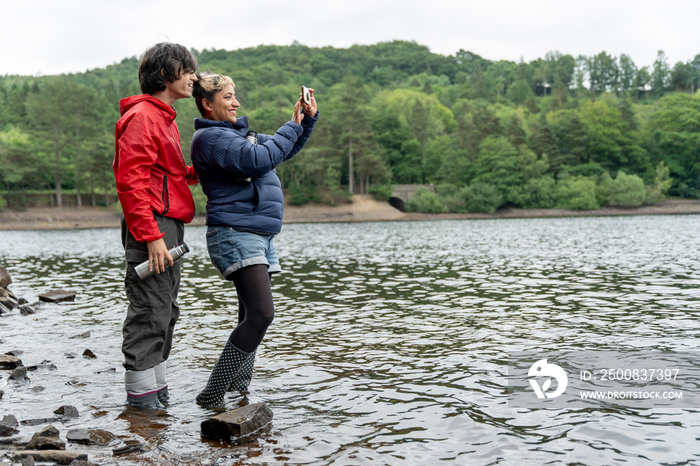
<point>164,63</point>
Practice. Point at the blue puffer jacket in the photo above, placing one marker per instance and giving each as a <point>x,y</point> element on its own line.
<point>238,177</point>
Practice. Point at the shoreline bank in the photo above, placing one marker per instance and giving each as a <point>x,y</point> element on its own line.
<point>362,209</point>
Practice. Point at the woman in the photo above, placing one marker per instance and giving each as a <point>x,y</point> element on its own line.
<point>236,168</point>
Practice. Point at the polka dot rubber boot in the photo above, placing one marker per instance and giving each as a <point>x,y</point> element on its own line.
<point>225,369</point>
<point>241,381</point>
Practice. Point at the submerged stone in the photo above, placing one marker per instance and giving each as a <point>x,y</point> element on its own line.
<point>27,309</point>
<point>19,374</point>
<point>91,436</point>
<point>82,463</point>
<point>50,456</point>
<point>237,422</point>
<point>8,426</point>
<point>8,303</point>
<point>43,365</point>
<point>9,420</point>
<point>7,431</point>
<point>56,296</point>
<point>130,446</point>
<point>36,422</point>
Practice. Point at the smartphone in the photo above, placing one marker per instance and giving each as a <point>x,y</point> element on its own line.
<point>306,95</point>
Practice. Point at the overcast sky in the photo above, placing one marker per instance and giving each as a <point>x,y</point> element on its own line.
<point>44,37</point>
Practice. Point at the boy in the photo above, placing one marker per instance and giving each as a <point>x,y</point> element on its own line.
<point>152,184</point>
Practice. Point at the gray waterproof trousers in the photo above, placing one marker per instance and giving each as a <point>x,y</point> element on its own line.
<point>153,309</point>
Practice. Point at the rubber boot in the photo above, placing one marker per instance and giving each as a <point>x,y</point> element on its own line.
<point>225,369</point>
<point>241,381</point>
<point>162,383</point>
<point>141,389</point>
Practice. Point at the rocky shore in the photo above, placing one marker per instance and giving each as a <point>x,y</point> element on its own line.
<point>362,209</point>
<point>60,433</point>
<point>45,445</point>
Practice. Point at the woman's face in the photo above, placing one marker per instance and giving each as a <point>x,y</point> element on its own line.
<point>224,106</point>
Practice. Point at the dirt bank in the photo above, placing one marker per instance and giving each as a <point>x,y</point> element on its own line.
<point>362,209</point>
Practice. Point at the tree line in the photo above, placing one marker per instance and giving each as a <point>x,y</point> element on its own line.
<point>575,132</point>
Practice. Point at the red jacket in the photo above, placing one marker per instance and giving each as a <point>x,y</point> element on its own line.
<point>149,166</point>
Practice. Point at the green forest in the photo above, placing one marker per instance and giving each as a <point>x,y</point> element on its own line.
<point>560,131</point>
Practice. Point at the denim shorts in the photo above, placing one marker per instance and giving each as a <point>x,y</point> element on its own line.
<point>231,249</point>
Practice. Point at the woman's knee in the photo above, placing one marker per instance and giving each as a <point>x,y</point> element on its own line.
<point>264,319</point>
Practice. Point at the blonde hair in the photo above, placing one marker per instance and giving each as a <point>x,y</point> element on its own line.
<point>207,86</point>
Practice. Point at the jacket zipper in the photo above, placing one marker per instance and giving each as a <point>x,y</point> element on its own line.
<point>166,197</point>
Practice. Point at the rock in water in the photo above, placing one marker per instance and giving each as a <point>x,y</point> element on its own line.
<point>26,309</point>
<point>46,439</point>
<point>67,411</point>
<point>5,278</point>
<point>56,296</point>
<point>8,426</point>
<point>8,303</point>
<point>91,436</point>
<point>8,361</point>
<point>237,422</point>
<point>36,422</point>
<point>50,456</point>
<point>130,446</point>
<point>19,374</point>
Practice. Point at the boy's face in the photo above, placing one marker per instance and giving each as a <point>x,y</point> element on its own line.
<point>181,88</point>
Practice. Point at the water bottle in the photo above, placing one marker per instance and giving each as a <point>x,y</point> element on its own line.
<point>177,252</point>
<point>252,137</point>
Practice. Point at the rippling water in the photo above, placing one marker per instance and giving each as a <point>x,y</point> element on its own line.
<point>390,342</point>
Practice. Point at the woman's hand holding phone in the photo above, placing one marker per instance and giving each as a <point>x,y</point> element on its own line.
<point>308,101</point>
<point>297,116</point>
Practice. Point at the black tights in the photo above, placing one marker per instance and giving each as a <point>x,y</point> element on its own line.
<point>255,307</point>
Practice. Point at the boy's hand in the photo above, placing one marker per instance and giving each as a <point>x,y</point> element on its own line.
<point>157,255</point>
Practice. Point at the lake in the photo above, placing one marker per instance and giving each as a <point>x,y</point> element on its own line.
<point>390,343</point>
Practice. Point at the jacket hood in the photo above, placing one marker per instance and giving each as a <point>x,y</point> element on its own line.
<point>128,103</point>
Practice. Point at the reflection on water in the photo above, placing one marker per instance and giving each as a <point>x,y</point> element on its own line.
<point>390,341</point>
